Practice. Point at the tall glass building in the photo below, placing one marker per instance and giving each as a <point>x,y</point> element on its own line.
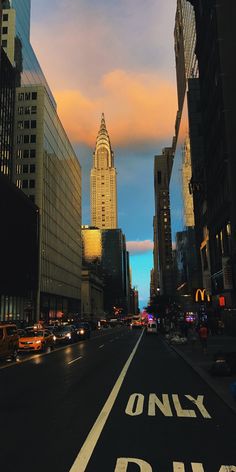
<point>46,169</point>
<point>187,261</point>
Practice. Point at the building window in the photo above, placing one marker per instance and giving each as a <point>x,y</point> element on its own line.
<point>27,95</point>
<point>26,139</point>
<point>19,183</point>
<point>34,110</point>
<point>19,153</point>
<point>33,123</point>
<point>26,153</point>
<point>19,139</point>
<point>26,124</point>
<point>33,138</point>
<point>4,43</point>
<point>32,183</point>
<point>159,177</point>
<point>4,30</point>
<point>20,124</point>
<point>32,168</point>
<point>5,17</point>
<point>25,184</point>
<point>34,95</point>
<point>27,110</point>
<point>18,169</point>
<point>32,152</point>
<point>20,110</point>
<point>21,97</point>
<point>25,169</point>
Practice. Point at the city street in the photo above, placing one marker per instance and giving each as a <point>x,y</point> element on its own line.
<point>122,401</point>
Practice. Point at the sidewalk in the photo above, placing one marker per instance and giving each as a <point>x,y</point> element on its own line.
<point>201,363</point>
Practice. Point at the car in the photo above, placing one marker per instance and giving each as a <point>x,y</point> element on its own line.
<point>151,327</point>
<point>83,330</point>
<point>9,341</point>
<point>36,340</point>
<point>65,334</point>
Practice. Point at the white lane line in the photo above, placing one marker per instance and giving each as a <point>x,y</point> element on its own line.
<point>100,347</point>
<point>74,360</point>
<point>87,449</point>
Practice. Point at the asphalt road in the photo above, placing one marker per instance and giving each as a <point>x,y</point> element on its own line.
<point>120,402</point>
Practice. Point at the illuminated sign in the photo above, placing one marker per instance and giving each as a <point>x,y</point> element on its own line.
<point>202,296</point>
<point>222,300</point>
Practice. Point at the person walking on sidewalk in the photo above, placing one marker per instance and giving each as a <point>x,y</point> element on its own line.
<point>203,336</point>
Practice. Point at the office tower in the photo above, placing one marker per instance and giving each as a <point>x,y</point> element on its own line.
<point>181,199</point>
<point>185,42</point>
<point>216,38</point>
<point>162,234</point>
<point>103,183</point>
<point>47,170</point>
<point>107,249</point>
<point>7,106</point>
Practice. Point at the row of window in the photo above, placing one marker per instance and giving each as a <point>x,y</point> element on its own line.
<point>26,138</point>
<point>25,169</point>
<point>25,153</point>
<point>25,96</point>
<point>27,124</point>
<point>27,110</point>
<point>28,183</point>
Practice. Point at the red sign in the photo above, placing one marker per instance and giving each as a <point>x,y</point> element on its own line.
<point>222,300</point>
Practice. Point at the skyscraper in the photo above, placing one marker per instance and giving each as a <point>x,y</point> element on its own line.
<point>162,223</point>
<point>46,169</point>
<point>103,182</point>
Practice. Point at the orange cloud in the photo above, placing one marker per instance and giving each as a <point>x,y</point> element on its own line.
<point>139,247</point>
<point>137,107</point>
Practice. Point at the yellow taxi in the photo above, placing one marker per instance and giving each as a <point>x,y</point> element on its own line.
<point>36,340</point>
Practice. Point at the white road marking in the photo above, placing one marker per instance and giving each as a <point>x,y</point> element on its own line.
<point>180,411</point>
<point>163,405</point>
<point>100,347</point>
<point>74,360</point>
<point>135,404</point>
<point>87,449</point>
<point>123,463</point>
<point>199,403</point>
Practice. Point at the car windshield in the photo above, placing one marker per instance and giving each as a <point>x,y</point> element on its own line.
<point>65,329</point>
<point>33,334</point>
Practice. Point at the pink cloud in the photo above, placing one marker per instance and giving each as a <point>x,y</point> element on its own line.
<point>139,247</point>
<point>138,108</point>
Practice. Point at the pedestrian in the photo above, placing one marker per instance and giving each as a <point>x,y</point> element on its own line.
<point>192,335</point>
<point>203,336</point>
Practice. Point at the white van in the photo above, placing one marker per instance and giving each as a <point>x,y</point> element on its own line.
<point>151,327</point>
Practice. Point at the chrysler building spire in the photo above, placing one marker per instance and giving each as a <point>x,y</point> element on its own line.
<point>103,182</point>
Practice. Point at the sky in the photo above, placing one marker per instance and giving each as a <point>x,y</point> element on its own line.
<point>114,57</point>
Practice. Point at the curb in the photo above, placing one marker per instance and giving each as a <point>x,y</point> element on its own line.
<point>204,377</point>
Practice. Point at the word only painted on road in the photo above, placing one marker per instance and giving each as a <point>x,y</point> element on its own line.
<point>122,465</point>
<point>168,405</point>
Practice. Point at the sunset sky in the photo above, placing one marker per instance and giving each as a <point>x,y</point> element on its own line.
<point>116,57</point>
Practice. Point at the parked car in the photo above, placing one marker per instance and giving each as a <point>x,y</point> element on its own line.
<point>36,340</point>
<point>9,341</point>
<point>83,330</point>
<point>65,334</point>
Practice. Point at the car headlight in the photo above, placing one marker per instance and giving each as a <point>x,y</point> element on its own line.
<point>38,342</point>
<point>81,331</point>
<point>54,338</point>
<point>68,335</point>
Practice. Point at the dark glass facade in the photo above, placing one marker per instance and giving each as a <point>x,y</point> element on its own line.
<point>27,65</point>
<point>7,104</point>
<point>19,237</point>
